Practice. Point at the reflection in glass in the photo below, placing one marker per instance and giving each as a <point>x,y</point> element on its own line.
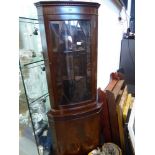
<point>27,143</point>
<point>35,80</point>
<point>71,52</point>
<point>33,98</point>
<point>39,117</point>
<point>29,41</point>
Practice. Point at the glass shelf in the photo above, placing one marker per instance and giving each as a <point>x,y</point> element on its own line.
<point>39,98</point>
<point>32,61</point>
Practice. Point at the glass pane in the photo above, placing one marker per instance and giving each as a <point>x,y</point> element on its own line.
<point>38,110</point>
<point>29,41</point>
<point>27,143</point>
<point>71,51</point>
<point>35,80</point>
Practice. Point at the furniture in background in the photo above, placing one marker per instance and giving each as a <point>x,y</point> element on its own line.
<point>127,63</point>
<point>116,104</point>
<point>35,137</point>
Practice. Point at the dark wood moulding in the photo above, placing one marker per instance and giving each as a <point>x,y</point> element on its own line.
<point>75,113</point>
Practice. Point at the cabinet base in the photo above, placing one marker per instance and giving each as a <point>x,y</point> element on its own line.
<point>75,132</point>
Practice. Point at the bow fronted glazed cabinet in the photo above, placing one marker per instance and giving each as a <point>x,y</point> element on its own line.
<point>69,38</point>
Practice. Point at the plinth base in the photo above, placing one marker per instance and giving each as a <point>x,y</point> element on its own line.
<point>75,131</point>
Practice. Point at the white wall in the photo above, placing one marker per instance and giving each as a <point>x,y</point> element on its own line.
<point>27,9</point>
<point>109,41</point>
<point>109,36</point>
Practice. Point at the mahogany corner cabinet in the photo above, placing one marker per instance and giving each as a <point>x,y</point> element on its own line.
<point>69,41</point>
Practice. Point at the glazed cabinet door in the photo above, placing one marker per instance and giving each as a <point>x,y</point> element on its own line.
<point>71,54</point>
<point>72,59</point>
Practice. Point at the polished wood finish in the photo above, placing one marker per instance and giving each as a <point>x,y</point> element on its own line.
<point>105,115</point>
<point>66,11</point>
<point>75,126</point>
<point>117,76</point>
<point>76,134</point>
<point>105,118</point>
<point>112,98</point>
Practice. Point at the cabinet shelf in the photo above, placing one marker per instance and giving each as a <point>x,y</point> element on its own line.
<point>75,50</point>
<point>42,65</point>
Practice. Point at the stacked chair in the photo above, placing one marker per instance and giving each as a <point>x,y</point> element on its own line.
<point>116,104</point>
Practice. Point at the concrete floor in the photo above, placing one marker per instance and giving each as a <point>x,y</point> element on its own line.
<point>27,147</point>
